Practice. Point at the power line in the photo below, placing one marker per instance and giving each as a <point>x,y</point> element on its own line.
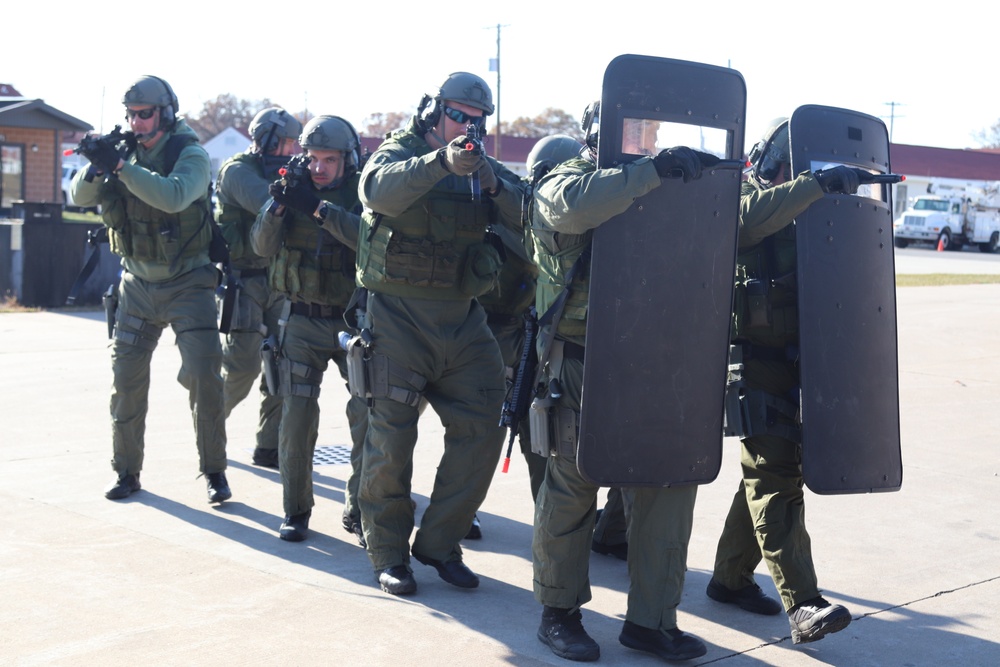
<point>892,116</point>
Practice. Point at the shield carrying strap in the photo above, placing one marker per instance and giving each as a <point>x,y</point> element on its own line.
<point>549,321</point>
<point>94,238</point>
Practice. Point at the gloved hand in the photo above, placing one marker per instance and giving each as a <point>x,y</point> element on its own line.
<point>487,179</point>
<point>104,157</point>
<point>840,179</point>
<point>300,199</point>
<point>679,159</point>
<point>458,160</point>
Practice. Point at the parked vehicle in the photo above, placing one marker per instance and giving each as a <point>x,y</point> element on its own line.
<point>951,219</point>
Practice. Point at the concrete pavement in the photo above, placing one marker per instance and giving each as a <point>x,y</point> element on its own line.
<point>163,578</point>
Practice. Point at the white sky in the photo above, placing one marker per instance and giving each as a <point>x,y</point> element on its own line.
<point>937,61</point>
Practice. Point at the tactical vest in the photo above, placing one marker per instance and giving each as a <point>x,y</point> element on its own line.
<point>765,307</point>
<point>312,266</point>
<point>555,255</point>
<point>236,222</point>
<point>435,249</point>
<point>144,233</point>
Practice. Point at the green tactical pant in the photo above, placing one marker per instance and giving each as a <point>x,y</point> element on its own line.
<point>259,310</point>
<point>450,346</point>
<point>612,526</point>
<point>767,518</point>
<point>187,305</point>
<point>659,531</point>
<point>510,337</point>
<point>311,342</point>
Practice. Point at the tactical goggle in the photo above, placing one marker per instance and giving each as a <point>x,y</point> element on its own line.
<point>144,114</point>
<point>464,118</point>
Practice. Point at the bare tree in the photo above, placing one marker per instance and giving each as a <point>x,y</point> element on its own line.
<point>551,121</point>
<point>990,137</point>
<point>226,110</point>
<point>381,123</point>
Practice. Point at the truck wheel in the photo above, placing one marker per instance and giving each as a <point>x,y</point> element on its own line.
<point>991,245</point>
<point>944,241</point>
<point>901,243</point>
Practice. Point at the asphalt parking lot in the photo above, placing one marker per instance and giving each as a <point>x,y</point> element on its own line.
<point>163,578</point>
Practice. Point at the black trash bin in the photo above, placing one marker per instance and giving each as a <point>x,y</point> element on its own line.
<point>31,211</point>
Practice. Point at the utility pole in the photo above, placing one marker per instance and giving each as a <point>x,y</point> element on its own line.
<point>495,66</point>
<point>892,116</point>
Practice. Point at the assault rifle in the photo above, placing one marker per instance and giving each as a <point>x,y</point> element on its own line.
<point>475,145</point>
<point>293,175</point>
<point>868,177</point>
<point>515,408</point>
<point>91,143</point>
<point>296,172</point>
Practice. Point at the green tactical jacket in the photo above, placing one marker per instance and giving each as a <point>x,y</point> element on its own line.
<point>156,220</point>
<point>306,263</point>
<point>570,202</point>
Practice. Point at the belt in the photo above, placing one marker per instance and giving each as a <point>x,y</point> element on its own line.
<point>252,273</point>
<point>316,310</point>
<point>573,351</point>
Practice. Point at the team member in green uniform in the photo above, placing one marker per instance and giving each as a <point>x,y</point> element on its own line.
<point>155,204</point>
<point>767,517</point>
<point>315,271</point>
<point>241,191</point>
<point>424,255</point>
<point>570,202</point>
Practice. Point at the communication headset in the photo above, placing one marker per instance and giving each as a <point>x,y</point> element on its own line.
<point>271,142</point>
<point>168,113</point>
<point>354,161</point>
<point>429,111</point>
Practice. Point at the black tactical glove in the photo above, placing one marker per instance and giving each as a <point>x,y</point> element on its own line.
<point>103,156</point>
<point>840,179</point>
<point>679,161</point>
<point>300,199</point>
<point>457,159</point>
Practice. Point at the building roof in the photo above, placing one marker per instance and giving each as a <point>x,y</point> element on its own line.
<point>959,163</point>
<point>36,114</point>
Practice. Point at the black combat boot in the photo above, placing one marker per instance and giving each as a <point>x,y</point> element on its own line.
<point>814,619</point>
<point>123,487</point>
<point>218,487</point>
<point>397,580</point>
<point>669,644</point>
<point>749,598</point>
<point>353,526</point>
<point>295,528</point>
<point>475,530</point>
<point>267,458</point>
<point>455,572</point>
<point>562,631</point>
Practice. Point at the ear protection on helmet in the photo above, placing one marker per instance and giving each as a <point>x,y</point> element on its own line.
<point>168,113</point>
<point>429,111</point>
<point>354,158</point>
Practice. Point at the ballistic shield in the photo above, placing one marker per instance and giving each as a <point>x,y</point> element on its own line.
<point>662,276</point>
<point>847,309</point>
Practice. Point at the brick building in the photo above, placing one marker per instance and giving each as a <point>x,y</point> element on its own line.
<point>31,149</point>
